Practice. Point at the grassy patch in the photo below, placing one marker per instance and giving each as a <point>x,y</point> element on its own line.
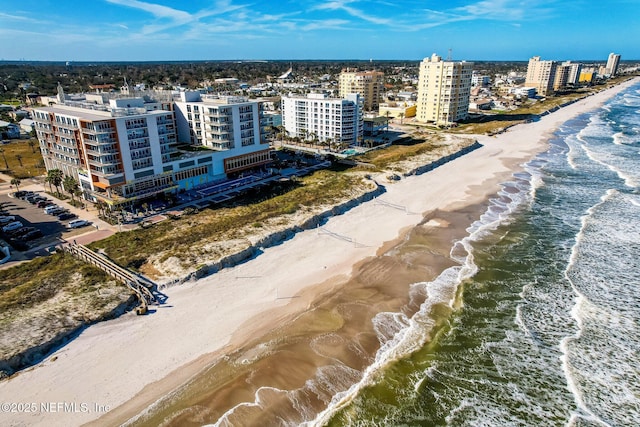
<point>33,282</point>
<point>180,236</point>
<point>396,153</point>
<point>28,164</point>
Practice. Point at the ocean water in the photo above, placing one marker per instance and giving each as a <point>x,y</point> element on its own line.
<point>545,329</point>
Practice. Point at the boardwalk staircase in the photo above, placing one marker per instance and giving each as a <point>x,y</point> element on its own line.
<point>137,285</point>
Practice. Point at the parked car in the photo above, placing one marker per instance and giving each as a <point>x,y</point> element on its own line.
<point>7,219</point>
<point>20,231</point>
<point>32,235</point>
<point>56,211</point>
<point>35,199</point>
<point>77,223</point>
<point>66,215</point>
<point>50,209</point>
<point>24,194</point>
<point>12,226</point>
<point>44,203</point>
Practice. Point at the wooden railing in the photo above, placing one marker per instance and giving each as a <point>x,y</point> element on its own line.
<point>139,288</point>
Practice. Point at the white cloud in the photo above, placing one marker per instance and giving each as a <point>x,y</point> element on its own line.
<point>156,10</point>
<point>343,5</point>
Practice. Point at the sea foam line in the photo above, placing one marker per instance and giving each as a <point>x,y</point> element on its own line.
<point>629,181</point>
<point>442,290</point>
<point>580,301</point>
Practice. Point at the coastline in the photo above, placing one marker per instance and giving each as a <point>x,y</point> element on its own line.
<point>131,361</point>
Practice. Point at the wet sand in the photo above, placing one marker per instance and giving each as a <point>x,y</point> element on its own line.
<point>291,373</point>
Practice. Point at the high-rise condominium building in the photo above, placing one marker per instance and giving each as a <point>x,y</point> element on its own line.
<point>612,64</point>
<point>317,116</point>
<point>567,74</point>
<point>541,75</point>
<point>368,84</point>
<point>443,90</point>
<point>232,126</point>
<point>127,149</point>
<point>574,72</point>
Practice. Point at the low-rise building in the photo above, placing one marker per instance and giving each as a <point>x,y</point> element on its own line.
<point>398,109</point>
<point>9,130</point>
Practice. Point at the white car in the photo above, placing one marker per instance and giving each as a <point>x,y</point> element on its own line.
<point>77,223</point>
<point>12,226</point>
<point>50,209</point>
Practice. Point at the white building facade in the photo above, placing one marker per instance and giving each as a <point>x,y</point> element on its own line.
<point>444,88</point>
<point>129,149</point>
<point>613,61</point>
<point>232,127</point>
<point>317,116</point>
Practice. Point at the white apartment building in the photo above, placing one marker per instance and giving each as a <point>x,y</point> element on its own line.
<point>327,119</point>
<point>541,75</point>
<point>479,80</point>
<point>444,88</point>
<point>574,72</point>
<point>612,64</point>
<point>231,126</point>
<point>128,149</point>
<point>368,84</point>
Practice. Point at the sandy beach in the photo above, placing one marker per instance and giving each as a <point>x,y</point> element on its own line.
<point>116,369</point>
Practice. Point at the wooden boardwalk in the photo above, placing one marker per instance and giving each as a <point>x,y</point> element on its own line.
<point>135,283</point>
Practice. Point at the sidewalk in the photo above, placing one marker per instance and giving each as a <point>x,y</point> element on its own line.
<point>98,229</point>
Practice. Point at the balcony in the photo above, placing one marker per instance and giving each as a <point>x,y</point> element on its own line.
<point>140,153</point>
<point>219,145</point>
<point>141,164</point>
<point>105,171</point>
<point>98,151</point>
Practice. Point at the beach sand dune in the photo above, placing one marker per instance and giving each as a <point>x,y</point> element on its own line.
<point>117,368</point>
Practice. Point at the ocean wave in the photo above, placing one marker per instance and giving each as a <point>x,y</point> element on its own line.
<point>612,163</point>
<point>599,359</point>
<point>400,335</point>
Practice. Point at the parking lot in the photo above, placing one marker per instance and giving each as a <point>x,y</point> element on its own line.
<point>54,231</point>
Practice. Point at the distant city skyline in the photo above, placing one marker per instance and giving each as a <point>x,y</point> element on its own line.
<point>169,30</point>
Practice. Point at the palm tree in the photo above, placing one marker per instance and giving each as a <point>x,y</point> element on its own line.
<point>16,182</point>
<point>70,185</point>
<point>314,138</point>
<point>55,177</point>
<point>77,192</point>
<point>401,115</point>
<point>32,144</point>
<point>19,157</point>
<point>6,165</point>
<point>102,207</point>
<point>47,179</point>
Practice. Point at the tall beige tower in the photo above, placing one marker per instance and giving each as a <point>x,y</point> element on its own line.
<point>541,75</point>
<point>443,90</point>
<point>368,84</point>
<point>612,64</point>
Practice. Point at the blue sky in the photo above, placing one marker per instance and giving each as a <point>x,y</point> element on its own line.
<point>156,30</point>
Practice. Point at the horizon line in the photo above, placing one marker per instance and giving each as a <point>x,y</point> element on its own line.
<point>63,61</point>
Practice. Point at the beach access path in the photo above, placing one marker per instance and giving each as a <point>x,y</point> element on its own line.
<point>117,368</point>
